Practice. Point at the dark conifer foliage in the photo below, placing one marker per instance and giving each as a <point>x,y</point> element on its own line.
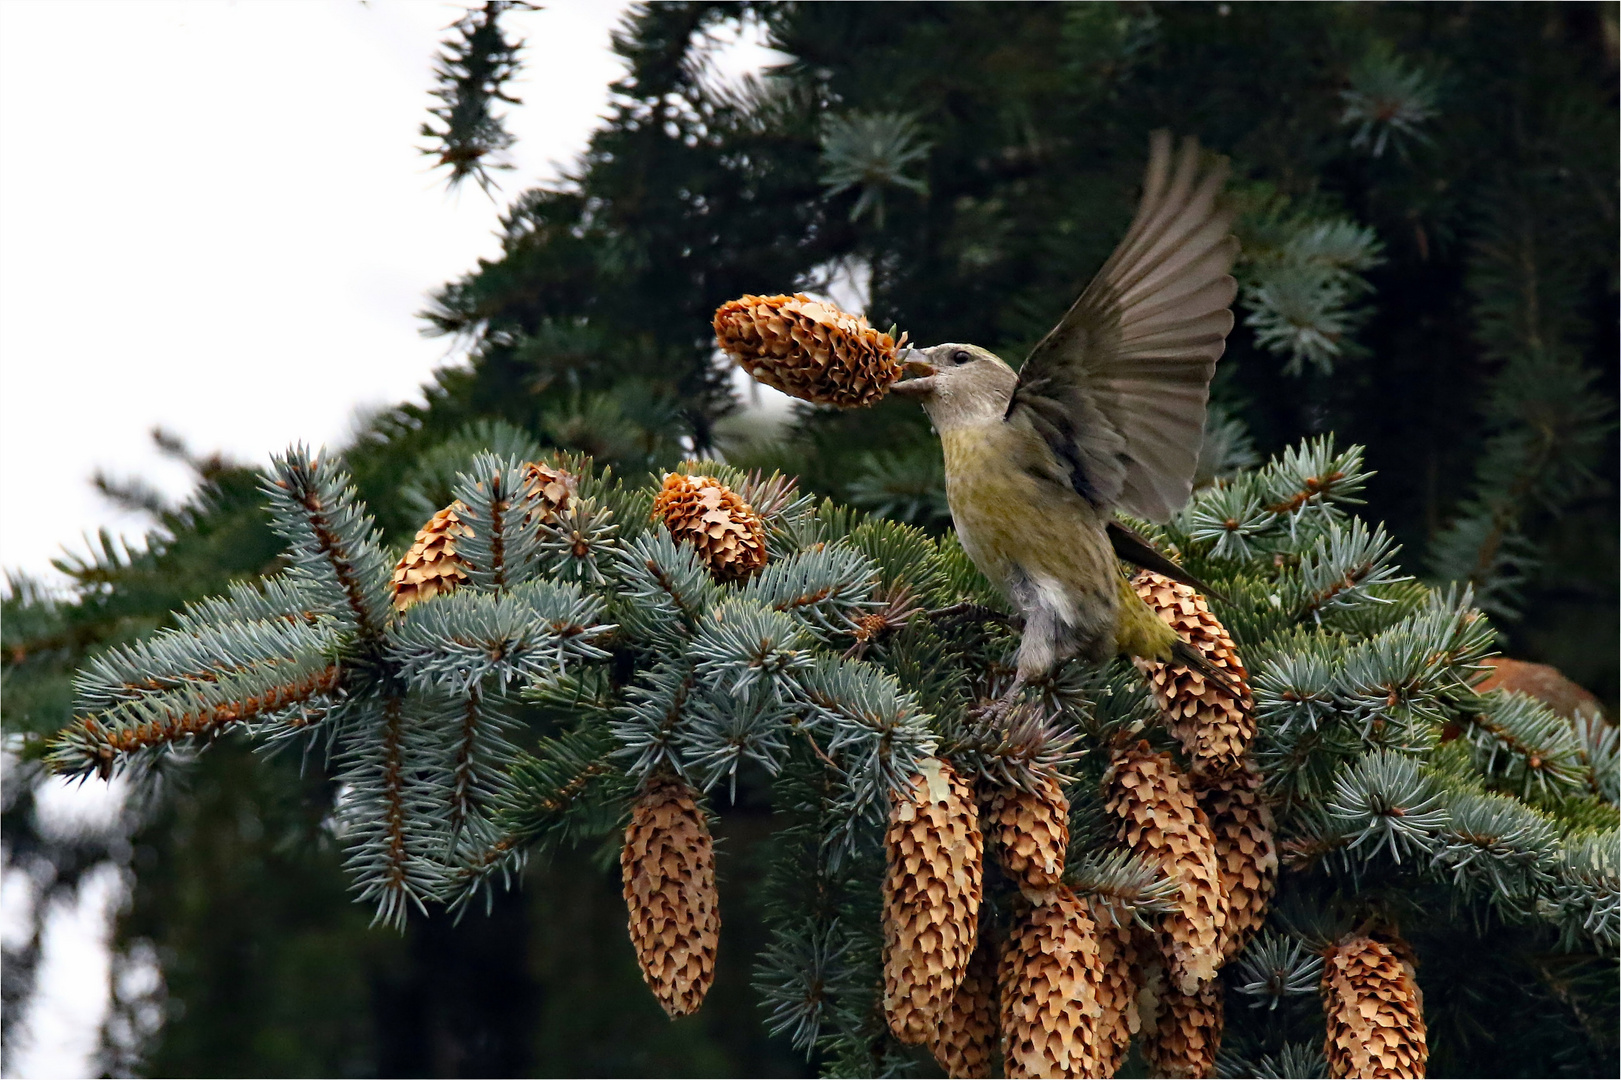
<point>473,72</point>
<point>1429,271</point>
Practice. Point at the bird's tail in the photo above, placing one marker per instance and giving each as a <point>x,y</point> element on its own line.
<point>1185,655</point>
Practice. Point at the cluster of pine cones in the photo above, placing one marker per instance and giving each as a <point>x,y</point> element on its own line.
<point>1069,985</point>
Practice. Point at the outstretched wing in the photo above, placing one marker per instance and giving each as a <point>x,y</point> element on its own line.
<point>1118,388</point>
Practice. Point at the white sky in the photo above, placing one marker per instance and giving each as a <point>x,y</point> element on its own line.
<point>214,218</point>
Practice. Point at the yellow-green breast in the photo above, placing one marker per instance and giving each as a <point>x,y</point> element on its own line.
<point>1013,521</point>
<point>1016,519</point>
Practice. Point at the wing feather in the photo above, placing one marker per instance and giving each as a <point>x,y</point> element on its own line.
<point>1118,388</point>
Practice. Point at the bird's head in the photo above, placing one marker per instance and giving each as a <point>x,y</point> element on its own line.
<point>957,385</point>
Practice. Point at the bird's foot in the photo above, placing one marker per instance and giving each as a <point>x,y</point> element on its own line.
<point>995,713</point>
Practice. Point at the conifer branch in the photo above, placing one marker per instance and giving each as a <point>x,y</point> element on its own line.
<point>98,742</point>
<point>333,544</point>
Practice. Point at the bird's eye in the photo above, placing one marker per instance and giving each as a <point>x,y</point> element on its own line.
<point>961,356</point>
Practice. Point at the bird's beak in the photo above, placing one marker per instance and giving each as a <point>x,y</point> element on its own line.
<point>922,371</point>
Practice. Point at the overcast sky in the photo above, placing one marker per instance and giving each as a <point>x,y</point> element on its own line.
<point>215,219</point>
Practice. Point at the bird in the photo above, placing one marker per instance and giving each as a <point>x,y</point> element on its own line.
<point>1106,415</point>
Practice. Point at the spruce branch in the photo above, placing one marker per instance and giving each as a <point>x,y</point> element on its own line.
<point>871,151</point>
<point>1345,570</point>
<point>332,543</point>
<point>646,725</point>
<point>1585,901</point>
<point>803,975</point>
<point>1522,744</point>
<point>878,732</point>
<point>1499,846</point>
<point>99,743</point>
<point>1277,966</point>
<point>665,589</point>
<point>391,814</point>
<point>1124,886</point>
<point>581,543</point>
<point>196,656</point>
<point>825,586</point>
<point>283,597</point>
<point>744,644</point>
<point>724,730</point>
<point>1600,742</point>
<point>473,70</point>
<point>501,550</point>
<point>468,639</point>
<point>1388,101</point>
<point>1383,800</point>
<point>1294,1061</point>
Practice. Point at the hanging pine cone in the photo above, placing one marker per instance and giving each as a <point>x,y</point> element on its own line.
<point>1212,726</point>
<point>1374,1010</point>
<point>931,899</point>
<point>1051,971</point>
<point>1118,1017</point>
<point>668,866</point>
<point>1184,1035</point>
<point>1246,854</point>
<point>1031,831</point>
<point>726,532</point>
<point>1161,821</point>
<point>431,566</point>
<point>808,349</point>
<point>965,1040</point>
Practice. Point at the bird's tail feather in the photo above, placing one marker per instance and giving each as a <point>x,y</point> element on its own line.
<point>1187,656</point>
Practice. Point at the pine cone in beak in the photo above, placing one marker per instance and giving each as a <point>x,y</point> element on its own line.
<point>916,364</point>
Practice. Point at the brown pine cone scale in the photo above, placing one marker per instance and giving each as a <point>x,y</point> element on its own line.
<point>1246,853</point>
<point>1185,1033</point>
<point>1051,972</point>
<point>1161,820</point>
<point>964,1043</point>
<point>668,868</point>
<point>1374,1010</point>
<point>1211,726</point>
<point>931,899</point>
<point>727,534</point>
<point>808,349</point>
<point>431,567</point>
<point>1118,1016</point>
<point>1031,832</point>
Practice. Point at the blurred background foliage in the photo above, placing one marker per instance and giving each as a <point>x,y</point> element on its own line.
<point>1430,269</point>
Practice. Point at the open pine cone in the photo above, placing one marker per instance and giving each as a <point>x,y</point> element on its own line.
<point>1184,1035</point>
<point>668,870</point>
<point>1246,853</point>
<point>808,349</point>
<point>931,899</point>
<point>1118,987</point>
<point>1031,832</point>
<point>728,535</point>
<point>965,1042</point>
<point>1213,728</point>
<point>431,566</point>
<point>1050,974</point>
<point>1161,820</point>
<point>1375,1011</point>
